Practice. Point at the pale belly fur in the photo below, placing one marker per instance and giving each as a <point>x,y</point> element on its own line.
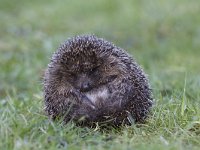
<point>98,94</point>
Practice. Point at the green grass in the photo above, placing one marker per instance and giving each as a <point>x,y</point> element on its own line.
<point>164,38</point>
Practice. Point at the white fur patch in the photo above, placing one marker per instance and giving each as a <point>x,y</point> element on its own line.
<point>95,95</point>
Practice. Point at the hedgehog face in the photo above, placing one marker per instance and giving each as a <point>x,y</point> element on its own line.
<point>87,73</point>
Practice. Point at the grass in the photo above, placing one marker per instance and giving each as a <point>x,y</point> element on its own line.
<point>164,38</point>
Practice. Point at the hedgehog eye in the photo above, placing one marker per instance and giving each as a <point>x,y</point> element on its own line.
<point>95,69</point>
<point>73,74</point>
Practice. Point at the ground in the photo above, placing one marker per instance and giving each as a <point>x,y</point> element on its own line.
<point>164,38</point>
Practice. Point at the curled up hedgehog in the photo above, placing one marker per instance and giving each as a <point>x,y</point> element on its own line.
<point>90,80</point>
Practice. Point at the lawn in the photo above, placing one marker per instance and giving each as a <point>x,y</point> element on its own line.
<point>164,38</point>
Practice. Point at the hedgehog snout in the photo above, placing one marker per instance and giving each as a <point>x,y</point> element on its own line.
<point>85,86</point>
<point>83,83</point>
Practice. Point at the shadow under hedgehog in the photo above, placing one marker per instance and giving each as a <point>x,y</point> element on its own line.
<point>90,80</point>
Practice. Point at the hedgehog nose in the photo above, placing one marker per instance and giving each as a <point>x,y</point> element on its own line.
<point>85,86</point>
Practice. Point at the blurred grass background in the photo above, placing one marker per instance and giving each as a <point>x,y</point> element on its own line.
<point>164,38</point>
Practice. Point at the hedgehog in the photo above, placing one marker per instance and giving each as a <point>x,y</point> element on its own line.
<point>90,80</point>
